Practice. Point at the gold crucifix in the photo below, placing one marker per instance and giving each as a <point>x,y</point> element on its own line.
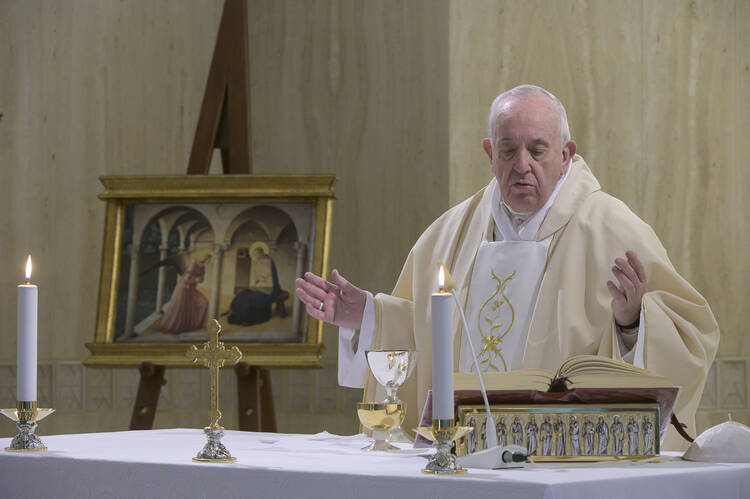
<point>213,355</point>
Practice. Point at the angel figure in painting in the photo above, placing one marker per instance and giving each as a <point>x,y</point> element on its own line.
<point>186,310</point>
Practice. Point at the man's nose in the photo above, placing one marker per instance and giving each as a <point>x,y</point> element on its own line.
<point>522,163</point>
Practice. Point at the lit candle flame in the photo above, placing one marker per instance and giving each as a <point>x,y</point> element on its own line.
<point>28,269</point>
<point>441,279</point>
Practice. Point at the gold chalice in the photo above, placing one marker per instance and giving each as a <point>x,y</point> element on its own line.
<point>391,368</point>
<point>380,418</point>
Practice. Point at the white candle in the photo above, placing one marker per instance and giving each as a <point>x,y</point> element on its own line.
<point>442,353</point>
<point>26,359</point>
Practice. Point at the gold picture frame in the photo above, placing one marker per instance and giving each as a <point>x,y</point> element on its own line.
<point>197,238</point>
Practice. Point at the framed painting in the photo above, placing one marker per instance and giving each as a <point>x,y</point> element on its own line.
<point>180,251</point>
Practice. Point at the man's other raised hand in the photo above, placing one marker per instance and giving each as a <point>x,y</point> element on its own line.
<point>339,302</point>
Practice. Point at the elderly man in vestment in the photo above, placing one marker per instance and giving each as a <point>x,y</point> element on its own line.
<point>547,265</point>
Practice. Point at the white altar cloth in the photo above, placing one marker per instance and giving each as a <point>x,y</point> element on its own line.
<point>158,463</point>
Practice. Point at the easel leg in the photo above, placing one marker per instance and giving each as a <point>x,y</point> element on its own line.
<point>254,399</point>
<point>149,388</point>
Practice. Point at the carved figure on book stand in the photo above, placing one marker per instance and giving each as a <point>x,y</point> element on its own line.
<point>483,434</point>
<point>471,437</point>
<point>531,436</point>
<point>546,434</point>
<point>618,434</point>
<point>502,432</point>
<point>559,437</point>
<point>648,436</point>
<point>588,429</point>
<point>602,431</point>
<point>517,431</point>
<point>633,436</point>
<point>575,444</point>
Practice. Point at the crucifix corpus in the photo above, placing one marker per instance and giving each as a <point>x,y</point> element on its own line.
<point>213,355</point>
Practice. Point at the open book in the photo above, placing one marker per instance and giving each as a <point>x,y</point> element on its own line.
<point>583,379</point>
<point>581,371</point>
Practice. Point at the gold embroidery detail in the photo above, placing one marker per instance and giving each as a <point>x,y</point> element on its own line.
<point>491,343</point>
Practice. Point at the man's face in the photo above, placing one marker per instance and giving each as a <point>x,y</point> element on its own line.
<point>526,151</point>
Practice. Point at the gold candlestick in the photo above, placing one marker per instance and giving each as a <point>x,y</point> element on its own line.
<point>26,415</point>
<point>213,355</point>
<point>443,433</point>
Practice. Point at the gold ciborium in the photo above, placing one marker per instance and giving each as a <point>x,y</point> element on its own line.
<point>380,418</point>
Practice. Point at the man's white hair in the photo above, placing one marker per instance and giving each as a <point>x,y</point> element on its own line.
<point>525,91</point>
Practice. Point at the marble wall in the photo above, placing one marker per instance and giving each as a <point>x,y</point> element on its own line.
<point>657,95</point>
<point>392,97</point>
<point>355,88</point>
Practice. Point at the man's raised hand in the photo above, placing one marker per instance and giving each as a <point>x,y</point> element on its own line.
<point>339,302</point>
<point>626,298</point>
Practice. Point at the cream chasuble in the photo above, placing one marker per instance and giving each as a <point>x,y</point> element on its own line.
<point>503,289</point>
<point>587,230</point>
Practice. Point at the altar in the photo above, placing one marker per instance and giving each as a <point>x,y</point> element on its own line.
<point>158,463</point>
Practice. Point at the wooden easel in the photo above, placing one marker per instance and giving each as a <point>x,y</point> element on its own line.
<point>223,123</point>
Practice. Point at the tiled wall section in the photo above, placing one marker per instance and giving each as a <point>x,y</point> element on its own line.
<point>726,393</point>
<point>306,401</point>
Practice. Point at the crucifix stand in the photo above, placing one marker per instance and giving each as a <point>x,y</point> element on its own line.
<point>213,355</point>
<point>224,124</point>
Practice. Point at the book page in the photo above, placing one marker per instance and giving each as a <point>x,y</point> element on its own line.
<point>521,379</point>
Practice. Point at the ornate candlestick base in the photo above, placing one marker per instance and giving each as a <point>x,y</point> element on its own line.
<point>443,433</point>
<point>214,451</point>
<point>26,415</point>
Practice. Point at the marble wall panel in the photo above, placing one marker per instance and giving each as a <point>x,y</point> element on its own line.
<point>126,388</point>
<point>45,390</point>
<point>68,386</point>
<point>99,390</point>
<point>710,398</point>
<point>7,386</point>
<point>326,383</point>
<point>733,383</point>
<point>300,390</point>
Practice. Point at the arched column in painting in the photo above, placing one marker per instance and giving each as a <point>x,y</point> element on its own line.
<point>214,302</point>
<point>135,251</point>
<point>296,307</point>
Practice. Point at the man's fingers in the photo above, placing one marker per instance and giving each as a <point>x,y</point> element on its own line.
<point>319,282</point>
<point>637,265</point>
<point>315,313</point>
<point>627,269</point>
<point>311,289</point>
<point>307,299</point>
<point>627,285</point>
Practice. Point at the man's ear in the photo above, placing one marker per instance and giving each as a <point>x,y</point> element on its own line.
<point>568,151</point>
<point>487,146</point>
